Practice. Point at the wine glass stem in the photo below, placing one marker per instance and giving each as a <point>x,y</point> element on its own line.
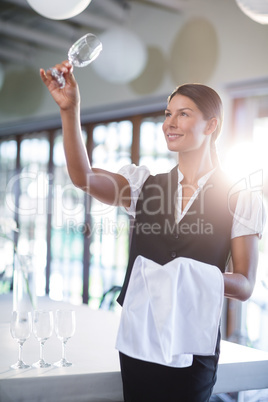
<point>42,350</point>
<point>64,350</point>
<point>20,350</point>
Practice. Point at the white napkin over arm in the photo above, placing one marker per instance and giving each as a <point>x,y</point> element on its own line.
<point>171,312</point>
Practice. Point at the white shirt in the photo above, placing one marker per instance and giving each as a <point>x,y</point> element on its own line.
<point>249,217</point>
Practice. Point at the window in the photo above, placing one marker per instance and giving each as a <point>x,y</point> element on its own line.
<point>247,157</point>
<point>32,185</point>
<point>8,155</point>
<point>109,229</point>
<point>67,231</point>
<point>153,149</point>
<point>79,246</point>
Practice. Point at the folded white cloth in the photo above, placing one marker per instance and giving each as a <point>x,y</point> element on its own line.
<point>171,312</point>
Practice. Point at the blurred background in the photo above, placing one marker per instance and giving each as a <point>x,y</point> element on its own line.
<point>79,247</point>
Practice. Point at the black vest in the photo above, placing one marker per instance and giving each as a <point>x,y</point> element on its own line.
<point>203,234</point>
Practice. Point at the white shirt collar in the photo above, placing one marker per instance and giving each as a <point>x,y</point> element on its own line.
<point>201,182</point>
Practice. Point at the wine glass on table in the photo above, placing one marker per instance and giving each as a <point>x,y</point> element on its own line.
<point>80,54</point>
<point>64,328</point>
<point>20,329</point>
<point>42,330</point>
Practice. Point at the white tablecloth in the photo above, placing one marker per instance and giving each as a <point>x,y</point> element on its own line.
<point>95,373</point>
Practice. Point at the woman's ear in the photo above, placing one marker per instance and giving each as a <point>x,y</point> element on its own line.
<point>212,124</point>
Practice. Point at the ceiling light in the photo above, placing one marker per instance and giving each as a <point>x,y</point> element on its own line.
<point>123,58</point>
<point>59,9</point>
<point>257,10</point>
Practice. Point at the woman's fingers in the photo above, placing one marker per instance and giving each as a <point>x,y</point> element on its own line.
<point>62,85</point>
<point>47,79</point>
<point>43,75</point>
<point>62,68</point>
<point>68,65</point>
<point>65,67</point>
<point>46,76</point>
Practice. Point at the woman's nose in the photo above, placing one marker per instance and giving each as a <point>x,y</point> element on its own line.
<point>172,121</point>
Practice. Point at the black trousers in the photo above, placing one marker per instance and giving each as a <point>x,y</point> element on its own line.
<point>150,382</point>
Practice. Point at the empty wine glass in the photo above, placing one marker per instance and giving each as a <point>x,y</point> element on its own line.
<point>80,54</point>
<point>20,329</point>
<point>42,330</point>
<point>64,328</point>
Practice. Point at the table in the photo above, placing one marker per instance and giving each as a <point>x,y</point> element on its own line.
<point>95,374</point>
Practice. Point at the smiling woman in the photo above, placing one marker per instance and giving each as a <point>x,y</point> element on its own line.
<point>189,115</point>
<point>169,211</point>
<point>183,124</point>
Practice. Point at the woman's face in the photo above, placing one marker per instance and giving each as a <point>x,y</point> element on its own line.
<point>184,127</point>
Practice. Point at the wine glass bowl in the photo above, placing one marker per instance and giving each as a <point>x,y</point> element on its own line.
<point>84,51</point>
<point>81,53</point>
<point>20,329</point>
<point>42,330</point>
<point>65,329</point>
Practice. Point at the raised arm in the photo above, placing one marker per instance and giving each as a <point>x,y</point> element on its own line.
<point>107,187</point>
<point>239,284</point>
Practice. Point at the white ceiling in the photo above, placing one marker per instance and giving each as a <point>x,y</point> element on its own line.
<point>23,31</point>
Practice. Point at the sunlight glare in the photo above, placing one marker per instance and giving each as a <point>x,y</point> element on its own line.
<point>243,160</point>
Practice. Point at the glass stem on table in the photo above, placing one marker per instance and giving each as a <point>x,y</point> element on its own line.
<point>64,350</point>
<point>20,329</point>
<point>42,351</point>
<point>63,361</point>
<point>20,352</point>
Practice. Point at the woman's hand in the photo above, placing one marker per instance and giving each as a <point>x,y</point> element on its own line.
<point>67,97</point>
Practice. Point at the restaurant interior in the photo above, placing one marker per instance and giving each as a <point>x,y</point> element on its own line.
<point>76,248</point>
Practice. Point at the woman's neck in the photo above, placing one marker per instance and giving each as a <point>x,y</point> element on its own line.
<point>194,166</point>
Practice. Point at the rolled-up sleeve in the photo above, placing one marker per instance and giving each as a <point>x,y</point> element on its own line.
<point>136,176</point>
<point>250,215</point>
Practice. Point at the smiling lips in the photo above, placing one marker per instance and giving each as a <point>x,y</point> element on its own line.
<point>174,136</point>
